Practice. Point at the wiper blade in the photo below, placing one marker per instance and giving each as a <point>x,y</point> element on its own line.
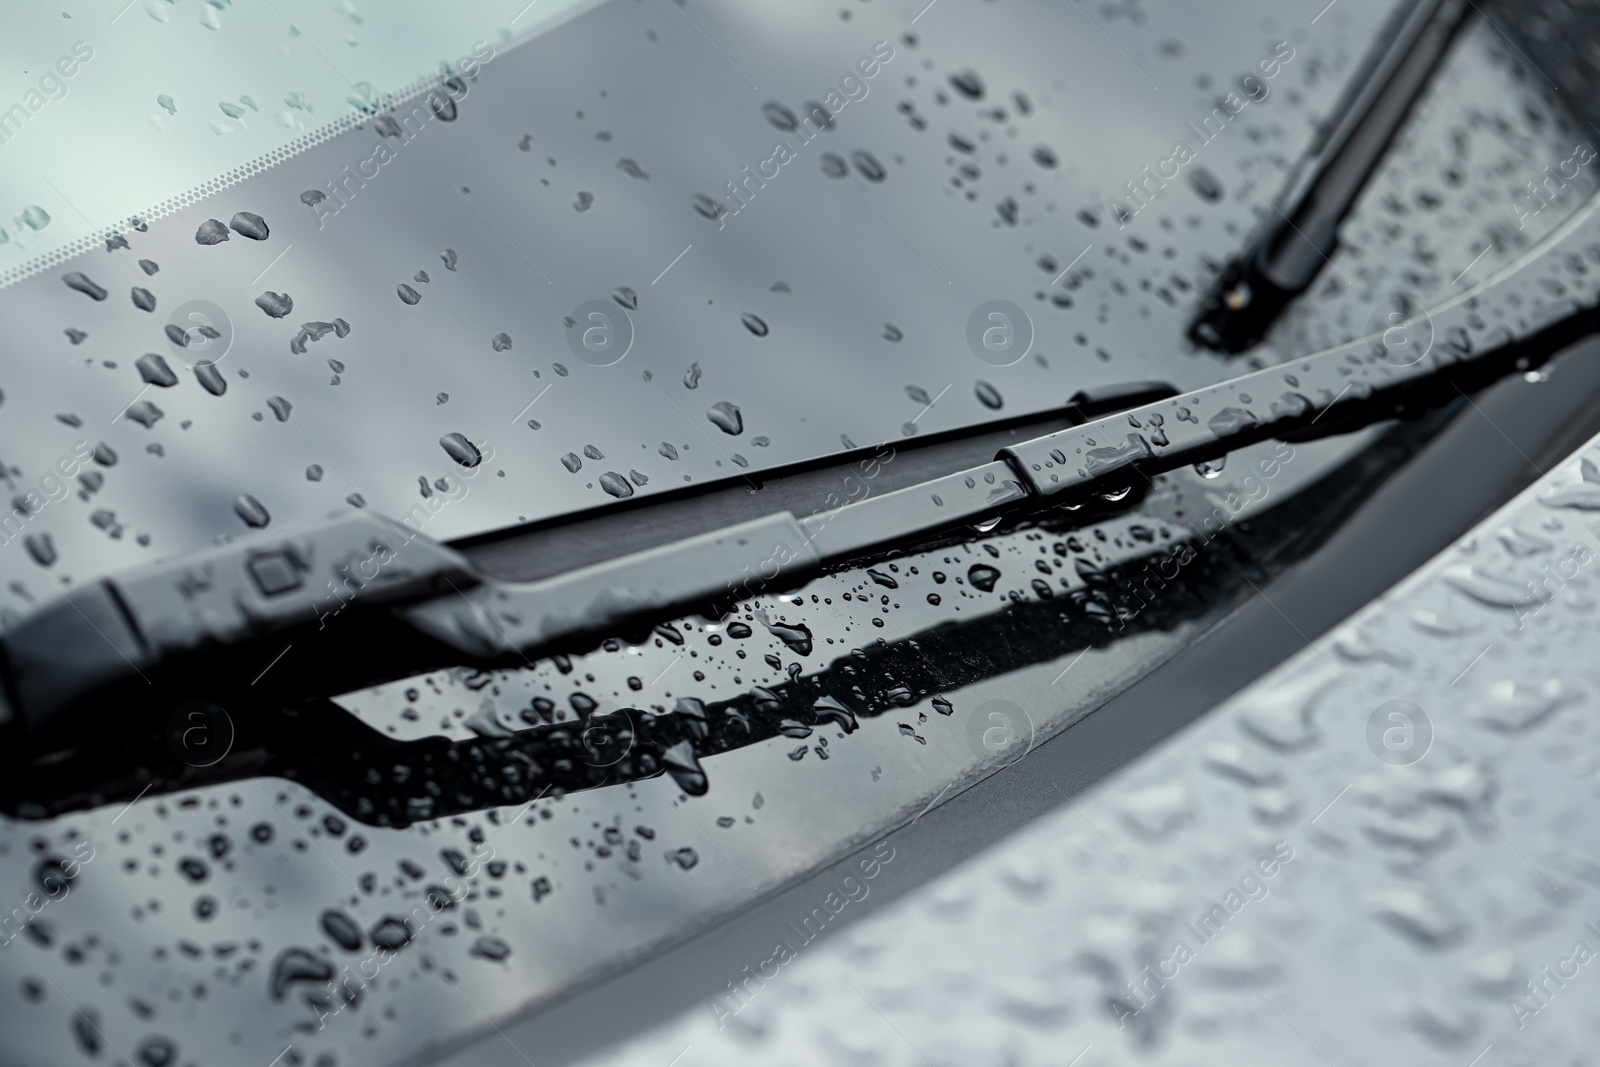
<point>367,600</point>
<point>1301,235</point>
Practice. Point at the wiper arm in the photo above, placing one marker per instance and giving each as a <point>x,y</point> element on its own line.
<point>1298,239</point>
<point>205,624</point>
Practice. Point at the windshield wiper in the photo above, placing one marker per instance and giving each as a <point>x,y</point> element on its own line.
<point>1301,235</point>
<point>366,600</point>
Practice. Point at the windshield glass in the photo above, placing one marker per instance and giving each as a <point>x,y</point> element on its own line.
<point>646,247</point>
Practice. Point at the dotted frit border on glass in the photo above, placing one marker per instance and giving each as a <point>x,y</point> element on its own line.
<point>45,260</point>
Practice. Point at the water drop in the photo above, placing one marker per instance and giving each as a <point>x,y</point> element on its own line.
<point>280,407</point>
<point>616,485</point>
<point>41,547</point>
<point>726,417</point>
<point>867,164</point>
<point>1206,185</point>
<point>490,948</point>
<point>681,764</point>
<point>295,965</point>
<point>143,299</point>
<point>154,370</point>
<point>276,305</point>
<point>249,224</point>
<point>211,232</point>
<point>983,577</point>
<point>392,932</point>
<point>341,929</point>
<point>691,377</point>
<point>500,342</point>
<point>250,511</point>
<point>827,709</point>
<point>156,1051</point>
<point>780,116</point>
<point>795,636</point>
<point>819,115</point>
<point>80,282</point>
<point>968,84</point>
<point>144,413</point>
<point>988,396</point>
<point>463,451</point>
<point>210,378</point>
<point>1230,421</point>
<point>407,294</point>
<point>626,297</point>
<point>754,323</point>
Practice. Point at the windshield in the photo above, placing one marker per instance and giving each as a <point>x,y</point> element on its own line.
<point>626,254</point>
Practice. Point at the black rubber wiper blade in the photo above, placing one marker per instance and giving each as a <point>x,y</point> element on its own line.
<point>366,600</point>
<point>1301,235</point>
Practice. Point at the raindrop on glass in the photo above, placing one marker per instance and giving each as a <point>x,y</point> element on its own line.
<point>463,451</point>
<point>726,417</point>
<point>250,511</point>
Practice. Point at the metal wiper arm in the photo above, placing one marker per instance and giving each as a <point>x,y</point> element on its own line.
<point>368,600</point>
<point>1301,234</point>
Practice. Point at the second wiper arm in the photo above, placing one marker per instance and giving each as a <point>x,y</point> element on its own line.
<point>1301,234</point>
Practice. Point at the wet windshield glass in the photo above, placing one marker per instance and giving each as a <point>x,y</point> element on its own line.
<point>344,257</point>
<point>615,259</point>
